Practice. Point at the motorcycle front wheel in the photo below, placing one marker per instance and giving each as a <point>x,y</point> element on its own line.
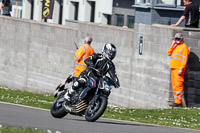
<point>57,109</point>
<point>95,111</point>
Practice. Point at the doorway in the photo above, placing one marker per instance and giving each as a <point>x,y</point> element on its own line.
<point>92,17</point>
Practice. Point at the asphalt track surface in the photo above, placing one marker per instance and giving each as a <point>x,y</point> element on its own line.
<point>23,116</point>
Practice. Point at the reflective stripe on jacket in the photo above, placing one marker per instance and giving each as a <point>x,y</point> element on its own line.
<point>81,54</point>
<point>179,56</point>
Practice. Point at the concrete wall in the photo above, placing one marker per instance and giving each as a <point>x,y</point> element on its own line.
<point>38,56</point>
<point>34,54</point>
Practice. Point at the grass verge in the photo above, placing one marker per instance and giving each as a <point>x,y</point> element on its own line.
<point>6,129</point>
<point>178,117</point>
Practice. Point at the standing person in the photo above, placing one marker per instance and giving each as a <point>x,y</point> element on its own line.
<point>179,56</point>
<point>6,5</point>
<point>191,14</point>
<point>81,54</point>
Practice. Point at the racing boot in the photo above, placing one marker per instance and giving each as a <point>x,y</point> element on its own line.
<point>68,94</point>
<point>71,91</point>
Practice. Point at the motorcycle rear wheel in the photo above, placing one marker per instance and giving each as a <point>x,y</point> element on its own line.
<point>57,110</point>
<point>94,112</point>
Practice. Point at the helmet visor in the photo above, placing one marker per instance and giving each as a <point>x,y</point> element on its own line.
<point>112,54</point>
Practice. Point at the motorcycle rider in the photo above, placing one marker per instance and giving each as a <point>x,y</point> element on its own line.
<point>100,61</point>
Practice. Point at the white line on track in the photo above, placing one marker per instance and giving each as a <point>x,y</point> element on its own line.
<point>24,106</point>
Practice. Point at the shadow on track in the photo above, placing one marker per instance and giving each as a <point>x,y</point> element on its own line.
<point>115,123</point>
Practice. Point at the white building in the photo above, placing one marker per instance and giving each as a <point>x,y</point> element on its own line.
<point>112,12</point>
<point>81,10</point>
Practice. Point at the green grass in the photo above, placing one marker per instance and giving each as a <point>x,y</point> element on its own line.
<point>6,129</point>
<point>178,117</point>
<point>26,98</point>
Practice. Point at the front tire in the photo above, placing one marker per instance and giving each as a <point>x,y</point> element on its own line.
<point>57,110</point>
<point>94,112</point>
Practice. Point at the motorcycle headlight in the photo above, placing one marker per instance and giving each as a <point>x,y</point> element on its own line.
<point>107,88</point>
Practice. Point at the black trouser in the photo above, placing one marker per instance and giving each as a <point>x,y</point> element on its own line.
<point>6,14</point>
<point>191,26</point>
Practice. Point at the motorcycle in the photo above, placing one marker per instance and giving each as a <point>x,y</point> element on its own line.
<point>89,101</point>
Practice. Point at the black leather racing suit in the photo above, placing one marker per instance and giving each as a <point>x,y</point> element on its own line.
<point>100,63</point>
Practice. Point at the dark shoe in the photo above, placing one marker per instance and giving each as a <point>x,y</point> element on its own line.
<point>175,105</point>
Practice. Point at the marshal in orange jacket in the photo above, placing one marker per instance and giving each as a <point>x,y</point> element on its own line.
<point>81,54</point>
<point>179,56</point>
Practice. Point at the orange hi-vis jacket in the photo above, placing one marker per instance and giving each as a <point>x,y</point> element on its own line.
<point>81,54</point>
<point>179,56</point>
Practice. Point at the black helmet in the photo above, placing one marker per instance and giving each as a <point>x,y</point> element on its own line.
<point>109,51</point>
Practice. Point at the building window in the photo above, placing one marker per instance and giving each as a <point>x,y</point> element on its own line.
<point>169,2</point>
<point>76,7</point>
<point>60,11</point>
<point>32,8</point>
<point>119,20</point>
<point>109,19</point>
<point>17,8</point>
<point>130,21</point>
<point>143,1</point>
<point>17,2</point>
<point>16,11</point>
<point>180,3</point>
<point>92,17</point>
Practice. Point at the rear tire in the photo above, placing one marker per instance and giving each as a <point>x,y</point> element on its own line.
<point>57,110</point>
<point>92,114</point>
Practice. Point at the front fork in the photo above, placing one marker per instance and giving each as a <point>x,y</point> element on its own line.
<point>96,96</point>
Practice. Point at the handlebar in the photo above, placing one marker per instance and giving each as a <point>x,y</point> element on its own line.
<point>97,71</point>
<point>108,78</point>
